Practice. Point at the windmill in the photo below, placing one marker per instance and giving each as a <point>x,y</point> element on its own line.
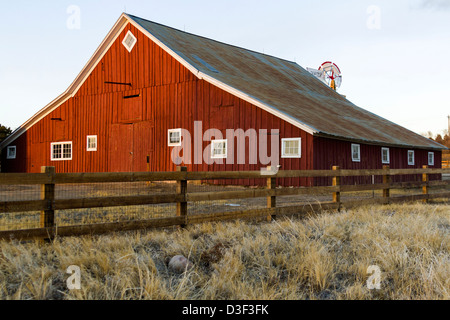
<point>328,73</point>
<point>332,73</point>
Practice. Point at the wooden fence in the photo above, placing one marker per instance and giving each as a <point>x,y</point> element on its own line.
<point>446,164</point>
<point>48,204</point>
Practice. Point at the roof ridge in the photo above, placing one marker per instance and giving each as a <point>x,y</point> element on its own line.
<point>210,39</point>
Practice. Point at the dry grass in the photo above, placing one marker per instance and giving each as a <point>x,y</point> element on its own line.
<point>322,257</point>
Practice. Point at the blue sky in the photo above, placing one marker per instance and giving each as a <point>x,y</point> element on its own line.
<point>393,54</point>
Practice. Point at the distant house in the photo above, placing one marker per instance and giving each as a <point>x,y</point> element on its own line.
<point>148,85</point>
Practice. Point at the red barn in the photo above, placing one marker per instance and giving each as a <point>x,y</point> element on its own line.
<point>150,90</point>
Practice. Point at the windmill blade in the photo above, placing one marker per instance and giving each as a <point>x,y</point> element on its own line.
<point>338,81</point>
<point>332,72</point>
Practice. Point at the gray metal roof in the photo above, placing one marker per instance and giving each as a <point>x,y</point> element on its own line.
<point>286,88</point>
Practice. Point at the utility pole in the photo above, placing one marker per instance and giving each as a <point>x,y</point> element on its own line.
<point>448,126</point>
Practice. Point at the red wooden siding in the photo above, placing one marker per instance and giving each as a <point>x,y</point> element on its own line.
<point>156,93</point>
<point>132,121</point>
<point>329,152</point>
<point>219,109</point>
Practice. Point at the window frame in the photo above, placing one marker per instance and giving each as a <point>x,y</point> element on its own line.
<point>8,156</point>
<point>413,162</point>
<point>90,149</point>
<point>129,48</point>
<point>291,156</point>
<point>431,163</point>
<point>221,156</point>
<point>52,155</point>
<point>359,152</point>
<point>388,161</point>
<point>169,142</point>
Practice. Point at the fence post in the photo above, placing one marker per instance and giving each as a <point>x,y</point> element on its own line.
<point>47,217</point>
<point>426,179</point>
<point>272,200</point>
<point>337,183</point>
<point>181,190</point>
<point>387,180</point>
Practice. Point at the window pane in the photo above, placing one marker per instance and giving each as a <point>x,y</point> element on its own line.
<point>67,151</point>
<point>411,157</point>
<point>175,137</point>
<point>129,41</point>
<point>219,149</point>
<point>355,152</point>
<point>57,151</point>
<point>431,159</point>
<point>291,147</point>
<point>92,143</point>
<point>11,152</point>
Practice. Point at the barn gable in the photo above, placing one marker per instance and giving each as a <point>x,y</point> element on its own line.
<point>128,102</point>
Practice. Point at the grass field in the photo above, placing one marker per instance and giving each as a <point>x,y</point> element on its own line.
<point>320,257</point>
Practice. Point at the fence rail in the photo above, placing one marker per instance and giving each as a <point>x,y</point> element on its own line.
<point>48,203</point>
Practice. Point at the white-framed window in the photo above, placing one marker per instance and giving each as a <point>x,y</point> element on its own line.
<point>91,143</point>
<point>174,138</point>
<point>385,157</point>
<point>356,153</point>
<point>61,151</point>
<point>129,41</point>
<point>411,158</point>
<point>219,149</point>
<point>291,148</point>
<point>11,152</point>
<point>431,158</point>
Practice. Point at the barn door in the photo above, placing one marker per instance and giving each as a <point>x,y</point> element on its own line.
<point>130,146</point>
<point>142,146</point>
<point>121,148</point>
